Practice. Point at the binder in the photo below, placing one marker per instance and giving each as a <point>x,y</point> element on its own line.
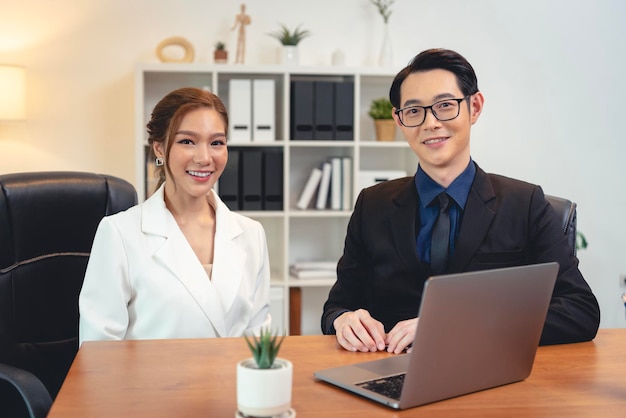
<point>344,110</point>
<point>301,110</point>
<point>323,115</point>
<point>322,193</point>
<point>309,189</point>
<point>273,180</point>
<point>336,183</point>
<point>263,111</point>
<point>228,186</point>
<point>240,110</point>
<point>251,162</point>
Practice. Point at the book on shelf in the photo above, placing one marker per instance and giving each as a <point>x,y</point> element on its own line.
<point>336,183</point>
<point>333,183</point>
<point>346,180</point>
<point>309,189</point>
<point>315,265</point>
<point>322,192</point>
<point>313,273</point>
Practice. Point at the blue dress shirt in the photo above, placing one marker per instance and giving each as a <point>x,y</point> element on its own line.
<point>428,190</point>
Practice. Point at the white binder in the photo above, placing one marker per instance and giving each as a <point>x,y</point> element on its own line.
<point>240,110</point>
<point>263,108</point>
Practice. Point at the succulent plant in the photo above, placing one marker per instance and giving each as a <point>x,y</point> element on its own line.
<point>220,46</point>
<point>264,347</point>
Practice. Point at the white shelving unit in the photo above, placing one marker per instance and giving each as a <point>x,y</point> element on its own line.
<point>292,234</point>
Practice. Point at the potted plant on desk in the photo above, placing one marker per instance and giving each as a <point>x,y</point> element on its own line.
<point>380,111</point>
<point>264,380</point>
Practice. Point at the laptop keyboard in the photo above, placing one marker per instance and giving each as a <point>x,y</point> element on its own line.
<point>390,386</point>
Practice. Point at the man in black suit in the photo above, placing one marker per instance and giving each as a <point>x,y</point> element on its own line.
<point>494,221</point>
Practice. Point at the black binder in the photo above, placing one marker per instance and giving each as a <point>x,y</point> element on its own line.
<point>251,179</point>
<point>273,180</point>
<point>344,110</point>
<point>229,182</point>
<point>302,110</point>
<point>324,114</point>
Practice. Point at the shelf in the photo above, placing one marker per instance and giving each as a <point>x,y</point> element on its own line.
<point>292,234</point>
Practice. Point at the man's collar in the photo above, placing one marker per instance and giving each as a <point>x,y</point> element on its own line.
<point>428,189</point>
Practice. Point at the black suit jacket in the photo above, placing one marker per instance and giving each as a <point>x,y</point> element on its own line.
<point>505,223</point>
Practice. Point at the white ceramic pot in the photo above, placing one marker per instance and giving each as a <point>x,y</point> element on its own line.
<point>290,55</point>
<point>264,392</point>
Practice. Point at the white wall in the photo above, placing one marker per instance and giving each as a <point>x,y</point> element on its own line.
<point>549,70</point>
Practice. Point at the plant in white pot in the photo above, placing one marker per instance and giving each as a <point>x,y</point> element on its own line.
<point>264,381</point>
<point>290,39</point>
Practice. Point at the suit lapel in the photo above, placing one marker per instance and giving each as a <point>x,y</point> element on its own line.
<point>477,218</point>
<point>229,258</point>
<point>402,219</point>
<point>177,256</point>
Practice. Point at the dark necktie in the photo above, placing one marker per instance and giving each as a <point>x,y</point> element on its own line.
<point>441,236</point>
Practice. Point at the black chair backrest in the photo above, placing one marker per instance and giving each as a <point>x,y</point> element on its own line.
<point>47,224</point>
<point>566,210</point>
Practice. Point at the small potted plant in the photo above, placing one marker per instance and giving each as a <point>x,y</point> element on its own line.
<point>220,55</point>
<point>380,111</point>
<point>290,39</point>
<point>264,380</point>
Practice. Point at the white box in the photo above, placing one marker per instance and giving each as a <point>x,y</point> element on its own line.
<point>369,178</point>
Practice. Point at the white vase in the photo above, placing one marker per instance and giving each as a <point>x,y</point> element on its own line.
<point>386,57</point>
<point>290,55</point>
<point>264,392</point>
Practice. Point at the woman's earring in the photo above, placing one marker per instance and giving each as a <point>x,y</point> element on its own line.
<point>159,161</point>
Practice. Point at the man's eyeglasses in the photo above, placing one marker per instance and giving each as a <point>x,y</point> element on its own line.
<point>443,110</point>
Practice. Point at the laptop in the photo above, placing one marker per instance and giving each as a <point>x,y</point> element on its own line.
<point>476,330</point>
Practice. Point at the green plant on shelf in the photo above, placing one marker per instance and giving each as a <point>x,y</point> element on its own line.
<point>288,37</point>
<point>381,109</point>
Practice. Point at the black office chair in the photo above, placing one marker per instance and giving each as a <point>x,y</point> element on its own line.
<point>566,209</point>
<point>47,224</point>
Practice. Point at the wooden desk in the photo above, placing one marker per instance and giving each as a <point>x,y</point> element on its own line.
<point>196,378</point>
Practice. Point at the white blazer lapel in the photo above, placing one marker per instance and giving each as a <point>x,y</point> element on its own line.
<point>177,256</point>
<point>229,258</point>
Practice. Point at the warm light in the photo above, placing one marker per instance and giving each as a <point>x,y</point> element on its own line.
<point>12,93</point>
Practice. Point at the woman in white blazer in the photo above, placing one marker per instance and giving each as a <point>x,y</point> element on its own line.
<point>181,264</point>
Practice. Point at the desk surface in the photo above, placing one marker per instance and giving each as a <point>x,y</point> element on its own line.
<point>196,378</point>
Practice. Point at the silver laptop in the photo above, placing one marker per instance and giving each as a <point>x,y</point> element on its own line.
<point>476,330</point>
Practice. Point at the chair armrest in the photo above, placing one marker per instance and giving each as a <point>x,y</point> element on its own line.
<point>33,392</point>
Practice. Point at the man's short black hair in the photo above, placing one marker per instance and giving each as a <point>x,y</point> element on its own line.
<point>434,59</point>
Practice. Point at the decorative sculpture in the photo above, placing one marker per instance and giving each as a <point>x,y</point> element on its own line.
<point>241,20</point>
<point>187,47</point>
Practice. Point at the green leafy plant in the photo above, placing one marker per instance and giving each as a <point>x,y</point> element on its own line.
<point>220,46</point>
<point>380,109</point>
<point>581,241</point>
<point>287,37</point>
<point>384,8</point>
<point>264,347</point>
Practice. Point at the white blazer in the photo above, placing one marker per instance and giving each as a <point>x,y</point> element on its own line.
<point>143,280</point>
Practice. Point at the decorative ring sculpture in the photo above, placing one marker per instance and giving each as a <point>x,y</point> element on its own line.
<point>176,41</point>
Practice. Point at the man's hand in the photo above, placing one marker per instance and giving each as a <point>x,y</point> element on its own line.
<point>401,336</point>
<point>358,331</point>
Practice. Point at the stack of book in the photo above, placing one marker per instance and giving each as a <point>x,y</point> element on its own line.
<point>313,269</point>
<point>329,186</point>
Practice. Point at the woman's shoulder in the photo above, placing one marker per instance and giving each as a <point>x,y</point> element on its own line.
<point>131,214</point>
